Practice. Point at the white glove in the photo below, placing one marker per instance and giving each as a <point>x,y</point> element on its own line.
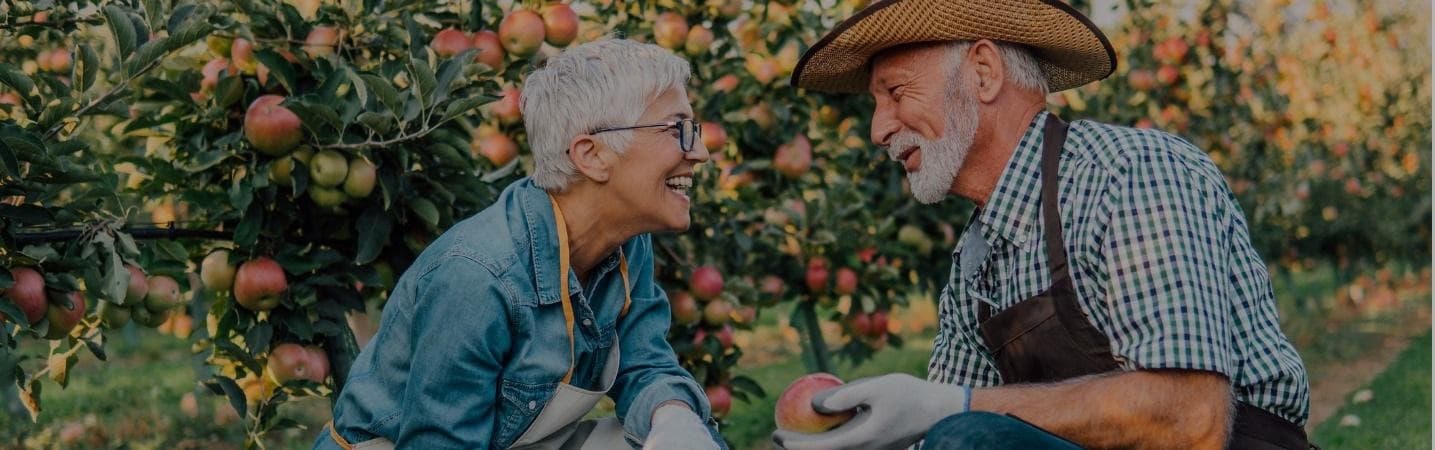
<point>896,411</point>
<point>677,427</point>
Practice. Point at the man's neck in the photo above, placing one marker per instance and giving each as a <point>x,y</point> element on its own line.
<point>991,151</point>
<point>591,235</point>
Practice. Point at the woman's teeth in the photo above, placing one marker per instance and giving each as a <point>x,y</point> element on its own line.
<point>680,185</point>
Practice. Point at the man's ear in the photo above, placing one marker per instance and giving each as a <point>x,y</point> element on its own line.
<point>591,158</point>
<point>986,59</point>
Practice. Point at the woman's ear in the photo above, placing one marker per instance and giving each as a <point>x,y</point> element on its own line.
<point>591,158</point>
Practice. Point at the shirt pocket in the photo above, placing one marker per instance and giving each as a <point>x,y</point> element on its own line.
<point>521,404</point>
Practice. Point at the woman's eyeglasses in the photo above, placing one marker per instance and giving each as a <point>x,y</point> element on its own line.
<point>688,131</point>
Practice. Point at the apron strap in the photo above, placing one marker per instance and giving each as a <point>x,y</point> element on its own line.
<point>1053,140</point>
<point>564,266</point>
<point>334,434</point>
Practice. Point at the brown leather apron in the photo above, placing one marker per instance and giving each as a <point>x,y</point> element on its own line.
<point>1048,338</point>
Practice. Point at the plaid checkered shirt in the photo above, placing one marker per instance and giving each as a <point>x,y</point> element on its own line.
<point>1159,253</point>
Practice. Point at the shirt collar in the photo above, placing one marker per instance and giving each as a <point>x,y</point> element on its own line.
<point>1011,210</point>
<point>542,227</point>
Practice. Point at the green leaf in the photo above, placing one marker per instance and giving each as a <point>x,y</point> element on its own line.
<point>424,79</point>
<point>360,88</point>
<point>384,91</point>
<point>314,114</point>
<point>9,166</point>
<point>448,71</point>
<point>374,227</point>
<point>258,337</point>
<point>380,123</point>
<point>172,250</point>
<point>123,30</point>
<point>279,67</point>
<point>40,252</point>
<point>205,159</point>
<point>21,83</point>
<point>10,309</point>
<point>464,105</point>
<point>247,232</point>
<point>425,210</point>
<point>6,280</point>
<point>222,385</point>
<point>90,67</point>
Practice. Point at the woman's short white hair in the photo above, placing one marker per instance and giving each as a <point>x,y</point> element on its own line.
<point>604,83</point>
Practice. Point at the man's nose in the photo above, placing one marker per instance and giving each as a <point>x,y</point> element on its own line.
<point>884,125</point>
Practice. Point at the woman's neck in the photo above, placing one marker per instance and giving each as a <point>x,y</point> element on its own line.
<point>591,235</point>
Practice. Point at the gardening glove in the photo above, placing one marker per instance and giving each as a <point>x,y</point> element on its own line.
<point>677,427</point>
<point>894,411</point>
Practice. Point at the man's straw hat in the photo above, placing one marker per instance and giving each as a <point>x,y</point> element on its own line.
<point>1069,48</point>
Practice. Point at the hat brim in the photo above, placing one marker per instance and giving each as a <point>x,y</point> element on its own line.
<point>1069,48</point>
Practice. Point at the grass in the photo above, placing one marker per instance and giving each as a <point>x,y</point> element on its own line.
<point>134,398</point>
<point>1398,413</point>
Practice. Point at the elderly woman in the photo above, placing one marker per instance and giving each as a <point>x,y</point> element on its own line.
<point>509,328</point>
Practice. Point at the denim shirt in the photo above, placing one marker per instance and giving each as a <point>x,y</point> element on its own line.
<point>472,342</point>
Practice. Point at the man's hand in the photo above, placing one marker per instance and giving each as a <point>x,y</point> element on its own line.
<point>677,427</point>
<point>895,412</point>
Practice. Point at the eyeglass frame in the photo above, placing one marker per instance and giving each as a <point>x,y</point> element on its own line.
<point>697,131</point>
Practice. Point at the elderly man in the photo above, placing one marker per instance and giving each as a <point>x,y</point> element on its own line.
<point>511,326</point>
<point>1105,293</point>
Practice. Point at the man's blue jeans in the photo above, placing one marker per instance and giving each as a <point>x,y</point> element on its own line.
<point>984,430</point>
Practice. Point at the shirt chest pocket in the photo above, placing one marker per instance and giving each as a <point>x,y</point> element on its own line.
<point>520,404</point>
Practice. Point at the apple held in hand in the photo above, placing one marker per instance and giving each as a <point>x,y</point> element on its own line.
<point>794,406</point>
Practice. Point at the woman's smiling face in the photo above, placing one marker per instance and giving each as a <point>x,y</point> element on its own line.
<point>654,176</point>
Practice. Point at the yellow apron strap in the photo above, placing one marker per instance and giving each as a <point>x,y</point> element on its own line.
<point>334,434</point>
<point>627,289</point>
<point>563,269</point>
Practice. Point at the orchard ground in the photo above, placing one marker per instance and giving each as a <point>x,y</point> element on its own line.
<point>1366,342</point>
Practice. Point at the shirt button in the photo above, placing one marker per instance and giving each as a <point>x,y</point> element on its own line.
<point>587,322</point>
<point>532,404</point>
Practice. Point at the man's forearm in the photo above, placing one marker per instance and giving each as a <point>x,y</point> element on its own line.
<point>1139,409</point>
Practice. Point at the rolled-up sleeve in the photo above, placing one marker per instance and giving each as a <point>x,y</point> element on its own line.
<point>649,374</point>
<point>459,335</point>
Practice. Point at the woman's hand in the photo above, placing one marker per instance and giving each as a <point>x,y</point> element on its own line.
<point>676,427</point>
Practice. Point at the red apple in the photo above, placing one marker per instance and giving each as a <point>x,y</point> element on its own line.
<point>846,281</point>
<point>685,309</point>
<point>717,312</point>
<point>699,40</point>
<point>817,275</point>
<point>794,159</point>
<point>211,72</point>
<point>449,42</point>
<point>290,361</point>
<point>507,109</point>
<point>860,322</point>
<point>879,324</point>
<point>138,287</point>
<point>725,83</point>
<point>322,42</point>
<point>1168,75</point>
<point>28,293</point>
<point>1141,79</point>
<point>772,285</point>
<point>725,337</point>
<point>318,362</point>
<point>497,147</point>
<point>271,128</point>
<point>560,24</point>
<point>59,60</point>
<point>706,282</point>
<point>720,398</point>
<point>259,284</point>
<point>216,271</point>
<point>714,136</point>
<point>794,407</point>
<point>63,318</point>
<point>163,294</point>
<point>521,32</point>
<point>360,181</point>
<point>670,30</point>
<point>241,53</point>
<point>490,50</point>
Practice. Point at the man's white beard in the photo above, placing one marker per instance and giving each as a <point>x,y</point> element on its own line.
<point>942,157</point>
